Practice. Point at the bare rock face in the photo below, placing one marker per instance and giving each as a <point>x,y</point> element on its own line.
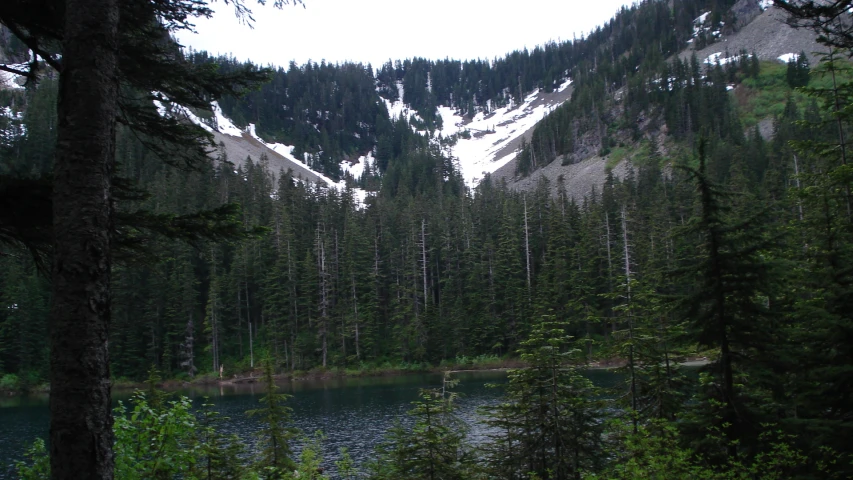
<point>745,11</point>
<point>767,35</point>
<point>766,128</point>
<point>238,149</point>
<point>579,179</point>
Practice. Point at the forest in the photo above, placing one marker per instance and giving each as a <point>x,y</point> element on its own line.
<point>719,242</point>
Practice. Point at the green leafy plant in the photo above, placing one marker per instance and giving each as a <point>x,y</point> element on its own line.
<point>155,443</point>
<point>37,464</point>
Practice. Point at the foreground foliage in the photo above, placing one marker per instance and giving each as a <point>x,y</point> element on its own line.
<point>162,438</point>
<point>433,448</point>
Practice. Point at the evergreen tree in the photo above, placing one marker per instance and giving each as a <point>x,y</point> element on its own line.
<point>550,423</point>
<point>797,74</point>
<point>125,42</point>
<point>275,458</point>
<point>726,308</point>
<point>219,455</point>
<point>434,448</point>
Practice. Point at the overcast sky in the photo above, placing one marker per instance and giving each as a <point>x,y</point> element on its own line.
<point>376,30</point>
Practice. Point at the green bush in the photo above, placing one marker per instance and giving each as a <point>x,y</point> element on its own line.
<point>155,442</point>
<point>37,465</point>
<point>10,381</point>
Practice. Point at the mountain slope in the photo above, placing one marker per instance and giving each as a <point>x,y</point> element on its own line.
<point>767,34</point>
<point>489,141</point>
<point>763,32</point>
<point>239,146</point>
<point>481,144</point>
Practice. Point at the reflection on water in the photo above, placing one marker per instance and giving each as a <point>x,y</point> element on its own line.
<point>352,412</point>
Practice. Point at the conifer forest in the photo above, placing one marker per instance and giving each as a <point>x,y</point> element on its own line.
<point>717,238</point>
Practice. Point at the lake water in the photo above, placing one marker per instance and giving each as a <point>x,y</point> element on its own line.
<point>352,412</point>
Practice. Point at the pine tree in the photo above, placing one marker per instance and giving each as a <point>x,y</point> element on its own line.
<point>797,73</point>
<point>550,422</point>
<point>219,454</point>
<point>725,308</point>
<point>275,457</point>
<point>434,448</point>
<point>212,319</point>
<point>127,42</point>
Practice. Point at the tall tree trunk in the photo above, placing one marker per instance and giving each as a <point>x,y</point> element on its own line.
<point>609,268</point>
<point>239,309</point>
<point>355,310</point>
<point>424,260</point>
<point>797,176</point>
<point>628,314</point>
<point>81,436</point>
<point>324,291</point>
<point>251,352</point>
<point>249,321</point>
<point>526,245</point>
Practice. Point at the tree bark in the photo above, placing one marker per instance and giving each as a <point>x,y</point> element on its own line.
<point>527,245</point>
<point>81,437</point>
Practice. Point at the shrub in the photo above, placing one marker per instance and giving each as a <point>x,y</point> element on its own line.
<point>10,381</point>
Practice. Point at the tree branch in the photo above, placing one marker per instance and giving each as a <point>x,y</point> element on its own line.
<point>9,69</point>
<point>33,45</point>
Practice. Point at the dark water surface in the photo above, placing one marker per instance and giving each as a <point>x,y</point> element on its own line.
<point>352,412</point>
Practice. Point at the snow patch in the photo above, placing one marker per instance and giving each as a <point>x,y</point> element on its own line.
<point>765,4</point>
<point>14,126</point>
<point>714,57</point>
<point>481,138</point>
<point>357,169</point>
<point>723,60</point>
<point>286,151</point>
<point>223,124</point>
<point>175,110</point>
<point>11,80</point>
<point>789,57</point>
<point>220,122</point>
<point>700,27</point>
<point>701,18</point>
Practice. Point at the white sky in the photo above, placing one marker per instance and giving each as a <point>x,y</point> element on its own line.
<point>376,30</point>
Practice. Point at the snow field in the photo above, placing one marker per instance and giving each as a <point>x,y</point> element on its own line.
<point>491,133</point>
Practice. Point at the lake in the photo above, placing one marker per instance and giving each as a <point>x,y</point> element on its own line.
<point>352,412</point>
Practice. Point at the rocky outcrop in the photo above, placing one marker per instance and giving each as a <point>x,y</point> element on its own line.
<point>767,35</point>
<point>744,12</point>
<point>238,149</point>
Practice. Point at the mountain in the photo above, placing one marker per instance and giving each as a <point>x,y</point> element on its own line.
<point>328,122</point>
<point>478,118</point>
<point>758,29</point>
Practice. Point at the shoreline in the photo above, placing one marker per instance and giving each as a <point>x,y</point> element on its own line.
<point>252,377</point>
<point>334,373</point>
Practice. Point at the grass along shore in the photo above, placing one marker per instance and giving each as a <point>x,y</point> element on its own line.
<point>12,386</point>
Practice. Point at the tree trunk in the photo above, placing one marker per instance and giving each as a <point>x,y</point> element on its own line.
<point>527,245</point>
<point>355,310</point>
<point>249,322</point>
<point>81,436</point>
<point>628,314</point>
<point>609,268</point>
<point>324,291</point>
<point>424,260</point>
